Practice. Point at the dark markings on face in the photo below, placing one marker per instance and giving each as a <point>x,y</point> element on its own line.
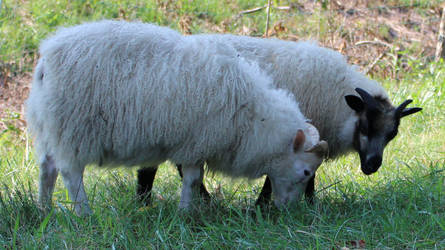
<point>374,130</point>
<point>377,125</point>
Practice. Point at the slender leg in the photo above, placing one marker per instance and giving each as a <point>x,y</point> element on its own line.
<point>266,193</point>
<point>202,189</point>
<point>192,177</point>
<point>310,190</point>
<point>73,179</point>
<point>48,177</point>
<point>146,177</point>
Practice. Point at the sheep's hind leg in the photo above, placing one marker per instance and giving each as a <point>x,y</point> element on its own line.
<point>73,179</point>
<point>48,176</point>
<point>192,178</point>
<point>146,176</point>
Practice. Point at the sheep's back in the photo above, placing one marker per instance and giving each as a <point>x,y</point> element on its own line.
<point>121,93</point>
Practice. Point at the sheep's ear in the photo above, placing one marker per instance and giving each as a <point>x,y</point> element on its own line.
<point>355,103</point>
<point>299,140</point>
<point>321,149</point>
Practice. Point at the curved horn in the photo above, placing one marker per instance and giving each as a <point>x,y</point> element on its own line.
<point>312,132</point>
<point>402,111</point>
<point>367,98</point>
<point>321,148</point>
<point>409,111</point>
<point>402,106</point>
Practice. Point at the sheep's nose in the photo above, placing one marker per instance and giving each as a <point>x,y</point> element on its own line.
<point>307,172</point>
<point>374,162</point>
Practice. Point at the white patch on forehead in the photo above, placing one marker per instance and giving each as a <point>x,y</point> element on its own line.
<point>363,141</point>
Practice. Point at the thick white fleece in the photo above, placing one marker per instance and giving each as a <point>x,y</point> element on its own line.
<point>118,93</point>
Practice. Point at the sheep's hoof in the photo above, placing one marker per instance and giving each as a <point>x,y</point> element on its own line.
<point>83,211</point>
<point>45,209</point>
<point>184,206</point>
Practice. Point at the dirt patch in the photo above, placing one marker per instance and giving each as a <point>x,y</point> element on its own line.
<point>368,30</point>
<point>13,93</point>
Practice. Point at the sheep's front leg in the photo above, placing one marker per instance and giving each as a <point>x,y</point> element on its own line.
<point>48,177</point>
<point>266,193</point>
<point>202,189</point>
<point>191,181</point>
<point>73,179</point>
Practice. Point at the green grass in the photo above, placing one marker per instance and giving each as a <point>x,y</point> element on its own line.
<point>401,206</point>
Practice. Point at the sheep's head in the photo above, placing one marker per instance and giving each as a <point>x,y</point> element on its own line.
<point>377,125</point>
<point>306,154</point>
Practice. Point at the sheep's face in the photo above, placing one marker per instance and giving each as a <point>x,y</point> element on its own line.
<point>377,125</point>
<point>298,167</point>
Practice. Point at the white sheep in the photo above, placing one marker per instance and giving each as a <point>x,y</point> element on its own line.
<point>118,93</point>
<point>320,80</point>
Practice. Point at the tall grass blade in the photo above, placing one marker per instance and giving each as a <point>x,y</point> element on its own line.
<point>16,229</point>
<point>44,224</point>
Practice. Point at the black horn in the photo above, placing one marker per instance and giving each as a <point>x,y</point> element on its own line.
<point>409,111</point>
<point>402,106</point>
<point>367,98</point>
<point>402,111</point>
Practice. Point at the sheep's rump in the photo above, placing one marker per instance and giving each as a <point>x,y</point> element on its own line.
<point>131,93</point>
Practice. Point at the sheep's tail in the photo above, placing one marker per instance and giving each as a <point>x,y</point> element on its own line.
<point>39,73</point>
<point>33,108</point>
<point>35,95</point>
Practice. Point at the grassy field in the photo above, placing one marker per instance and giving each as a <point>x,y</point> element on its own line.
<point>401,206</point>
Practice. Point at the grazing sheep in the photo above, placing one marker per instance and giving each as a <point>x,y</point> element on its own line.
<point>321,81</point>
<point>117,93</point>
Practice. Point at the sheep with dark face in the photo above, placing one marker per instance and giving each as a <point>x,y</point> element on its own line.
<point>377,125</point>
<point>118,93</point>
<point>351,112</point>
